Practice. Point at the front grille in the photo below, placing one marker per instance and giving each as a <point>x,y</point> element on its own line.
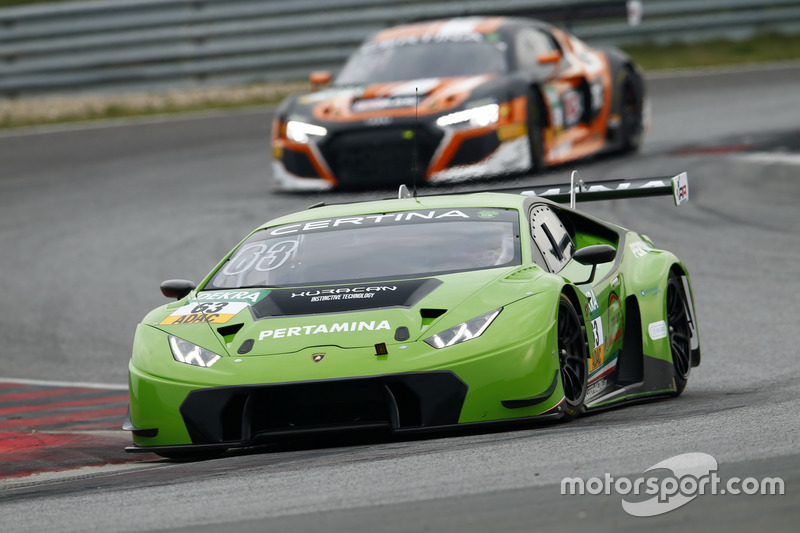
<point>243,414</point>
<point>379,157</point>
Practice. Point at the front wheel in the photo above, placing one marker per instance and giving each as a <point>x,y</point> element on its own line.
<point>679,330</point>
<point>572,357</point>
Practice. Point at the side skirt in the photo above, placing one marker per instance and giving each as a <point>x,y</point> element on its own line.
<point>657,382</point>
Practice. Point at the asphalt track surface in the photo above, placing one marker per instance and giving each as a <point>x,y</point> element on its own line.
<point>93,219</point>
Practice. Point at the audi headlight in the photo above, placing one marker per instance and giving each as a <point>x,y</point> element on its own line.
<point>191,354</point>
<point>475,117</point>
<point>301,131</point>
<point>470,329</point>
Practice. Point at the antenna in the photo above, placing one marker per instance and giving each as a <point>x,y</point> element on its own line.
<point>414,148</point>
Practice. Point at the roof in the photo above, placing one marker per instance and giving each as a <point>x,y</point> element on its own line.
<point>484,199</point>
<point>442,28</point>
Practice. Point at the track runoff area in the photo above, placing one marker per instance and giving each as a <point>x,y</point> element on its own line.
<point>48,426</point>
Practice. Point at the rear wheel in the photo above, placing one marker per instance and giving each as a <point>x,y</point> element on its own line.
<point>631,89</point>
<point>572,357</point>
<point>535,136</point>
<point>679,332</point>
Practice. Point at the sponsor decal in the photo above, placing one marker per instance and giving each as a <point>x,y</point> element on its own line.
<point>369,220</point>
<point>573,107</point>
<point>604,370</point>
<point>339,293</point>
<point>487,213</point>
<point>680,188</point>
<point>379,104</point>
<point>316,329</point>
<point>596,387</point>
<point>657,330</point>
<point>252,296</point>
<point>592,303</point>
<point>199,312</point>
<point>615,319</point>
<point>597,359</point>
<point>597,95</point>
<point>378,121</point>
<point>336,299</point>
<point>411,40</point>
<point>652,291</point>
<point>598,353</point>
<point>509,132</point>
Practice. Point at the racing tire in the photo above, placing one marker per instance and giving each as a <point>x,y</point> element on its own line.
<point>679,331</point>
<point>535,132</point>
<point>572,359</point>
<point>631,88</point>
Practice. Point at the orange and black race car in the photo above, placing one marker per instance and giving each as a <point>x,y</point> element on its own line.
<point>458,99</point>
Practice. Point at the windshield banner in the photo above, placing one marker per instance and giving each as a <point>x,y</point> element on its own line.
<point>339,298</point>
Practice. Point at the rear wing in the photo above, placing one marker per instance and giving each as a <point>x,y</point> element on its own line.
<point>676,186</point>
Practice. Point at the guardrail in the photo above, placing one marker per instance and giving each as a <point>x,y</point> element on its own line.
<point>132,45</point>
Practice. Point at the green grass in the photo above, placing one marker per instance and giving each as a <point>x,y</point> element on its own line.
<point>651,57</point>
<point>761,49</point>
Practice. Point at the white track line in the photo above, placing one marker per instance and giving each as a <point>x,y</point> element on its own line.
<point>784,158</point>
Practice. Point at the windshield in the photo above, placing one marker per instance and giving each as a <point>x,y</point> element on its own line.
<point>380,62</point>
<point>371,247</point>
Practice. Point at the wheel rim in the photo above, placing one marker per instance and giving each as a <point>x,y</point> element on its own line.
<point>571,355</point>
<point>679,333</point>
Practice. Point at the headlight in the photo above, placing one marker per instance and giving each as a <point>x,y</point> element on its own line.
<point>300,131</point>
<point>463,332</point>
<point>476,117</point>
<point>191,354</point>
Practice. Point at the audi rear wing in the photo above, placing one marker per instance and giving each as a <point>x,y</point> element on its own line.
<point>676,186</point>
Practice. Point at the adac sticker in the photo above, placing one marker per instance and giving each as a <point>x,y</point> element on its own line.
<point>598,358</point>
<point>199,312</point>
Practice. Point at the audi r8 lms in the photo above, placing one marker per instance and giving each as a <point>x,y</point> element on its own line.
<point>413,314</point>
<point>456,99</point>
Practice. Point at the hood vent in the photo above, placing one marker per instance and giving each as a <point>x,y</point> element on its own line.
<point>429,315</point>
<point>523,274</point>
<point>229,331</point>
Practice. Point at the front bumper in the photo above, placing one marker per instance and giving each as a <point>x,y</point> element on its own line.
<point>385,157</point>
<point>415,389</point>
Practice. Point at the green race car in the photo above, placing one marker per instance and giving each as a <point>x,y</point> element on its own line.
<point>412,314</point>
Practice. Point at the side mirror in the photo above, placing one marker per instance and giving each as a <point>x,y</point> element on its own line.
<point>177,288</point>
<point>319,78</point>
<point>549,57</point>
<point>594,255</point>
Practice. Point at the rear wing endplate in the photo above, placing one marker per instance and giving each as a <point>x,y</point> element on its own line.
<point>676,186</point>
